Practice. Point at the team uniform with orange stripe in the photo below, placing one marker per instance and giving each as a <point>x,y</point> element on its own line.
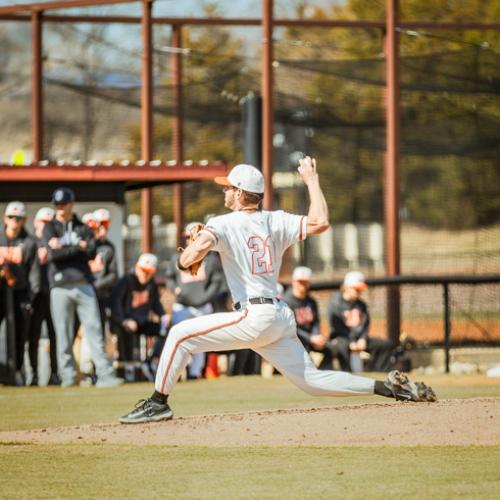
<point>251,246</point>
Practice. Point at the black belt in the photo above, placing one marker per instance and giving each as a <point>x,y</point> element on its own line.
<point>255,300</point>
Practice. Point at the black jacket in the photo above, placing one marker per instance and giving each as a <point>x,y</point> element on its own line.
<point>338,312</point>
<point>306,315</point>
<point>105,279</point>
<point>131,300</point>
<point>70,263</point>
<point>26,271</point>
<point>44,279</point>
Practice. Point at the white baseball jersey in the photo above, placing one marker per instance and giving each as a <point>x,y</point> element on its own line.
<point>251,247</point>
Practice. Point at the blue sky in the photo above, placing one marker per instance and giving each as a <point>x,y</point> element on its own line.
<point>188,8</point>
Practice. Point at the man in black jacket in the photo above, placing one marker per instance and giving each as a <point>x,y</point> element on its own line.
<point>41,304</point>
<point>305,309</point>
<point>104,267</point>
<point>20,276</point>
<point>133,301</point>
<point>350,321</point>
<point>70,246</point>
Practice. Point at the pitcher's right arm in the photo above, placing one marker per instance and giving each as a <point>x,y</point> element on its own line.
<point>317,217</point>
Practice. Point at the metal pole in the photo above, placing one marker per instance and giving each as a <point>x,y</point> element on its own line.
<point>177,132</point>
<point>391,198</point>
<point>60,4</point>
<point>147,123</point>
<point>11,14</point>
<point>36,87</point>
<point>267,101</point>
<point>447,327</point>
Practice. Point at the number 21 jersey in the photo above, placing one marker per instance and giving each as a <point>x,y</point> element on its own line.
<point>251,246</point>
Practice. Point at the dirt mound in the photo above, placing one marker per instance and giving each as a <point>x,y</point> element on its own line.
<point>447,422</point>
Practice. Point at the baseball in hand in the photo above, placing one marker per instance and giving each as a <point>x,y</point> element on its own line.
<point>307,169</point>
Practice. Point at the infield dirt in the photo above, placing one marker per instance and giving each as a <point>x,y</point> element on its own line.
<point>473,421</point>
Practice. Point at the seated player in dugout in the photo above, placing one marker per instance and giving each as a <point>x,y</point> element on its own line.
<point>350,323</point>
<point>134,301</point>
<point>305,309</point>
<point>251,243</point>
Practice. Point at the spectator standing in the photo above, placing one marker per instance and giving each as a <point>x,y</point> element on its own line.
<point>71,245</point>
<point>350,322</point>
<point>87,368</point>
<point>104,270</point>
<point>20,276</point>
<point>104,267</point>
<point>134,298</point>
<point>41,304</point>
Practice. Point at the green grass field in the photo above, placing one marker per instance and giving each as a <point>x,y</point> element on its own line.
<point>127,471</point>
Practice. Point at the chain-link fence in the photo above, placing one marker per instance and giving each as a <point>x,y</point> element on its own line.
<point>447,312</point>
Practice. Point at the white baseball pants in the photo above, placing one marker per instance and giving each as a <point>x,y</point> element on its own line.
<point>269,330</point>
<point>182,313</point>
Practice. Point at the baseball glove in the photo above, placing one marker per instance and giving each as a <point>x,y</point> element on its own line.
<point>191,236</point>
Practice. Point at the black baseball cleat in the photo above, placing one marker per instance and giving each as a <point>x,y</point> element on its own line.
<point>147,410</point>
<point>54,379</point>
<point>404,389</point>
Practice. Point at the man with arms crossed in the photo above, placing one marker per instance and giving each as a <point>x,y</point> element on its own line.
<point>70,245</point>
<point>251,243</point>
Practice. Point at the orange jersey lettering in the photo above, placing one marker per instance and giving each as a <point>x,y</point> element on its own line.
<point>139,298</point>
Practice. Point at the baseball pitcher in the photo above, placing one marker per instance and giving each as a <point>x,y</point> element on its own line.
<point>251,243</point>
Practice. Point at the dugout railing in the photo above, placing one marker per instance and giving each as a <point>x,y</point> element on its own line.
<point>489,302</point>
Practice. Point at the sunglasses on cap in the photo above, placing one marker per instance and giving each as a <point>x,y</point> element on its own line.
<point>16,217</point>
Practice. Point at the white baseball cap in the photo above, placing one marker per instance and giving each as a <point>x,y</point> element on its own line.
<point>302,273</point>
<point>245,177</point>
<point>148,262</point>
<point>15,208</point>
<point>355,279</point>
<point>102,215</point>
<point>45,214</point>
<point>88,218</point>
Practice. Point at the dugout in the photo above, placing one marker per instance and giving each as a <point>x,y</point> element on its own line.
<point>95,186</point>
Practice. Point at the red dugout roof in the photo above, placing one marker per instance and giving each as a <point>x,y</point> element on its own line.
<point>154,172</point>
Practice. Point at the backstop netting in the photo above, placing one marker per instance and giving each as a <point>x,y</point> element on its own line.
<point>329,102</point>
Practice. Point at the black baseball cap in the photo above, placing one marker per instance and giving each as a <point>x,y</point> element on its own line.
<point>63,195</point>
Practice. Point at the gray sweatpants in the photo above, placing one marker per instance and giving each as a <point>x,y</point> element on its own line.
<point>65,300</point>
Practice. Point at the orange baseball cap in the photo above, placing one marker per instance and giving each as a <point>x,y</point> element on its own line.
<point>355,279</point>
<point>148,262</point>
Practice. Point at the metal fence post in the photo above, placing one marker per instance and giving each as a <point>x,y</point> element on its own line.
<point>447,328</point>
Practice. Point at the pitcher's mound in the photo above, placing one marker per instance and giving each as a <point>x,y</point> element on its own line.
<point>447,422</point>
